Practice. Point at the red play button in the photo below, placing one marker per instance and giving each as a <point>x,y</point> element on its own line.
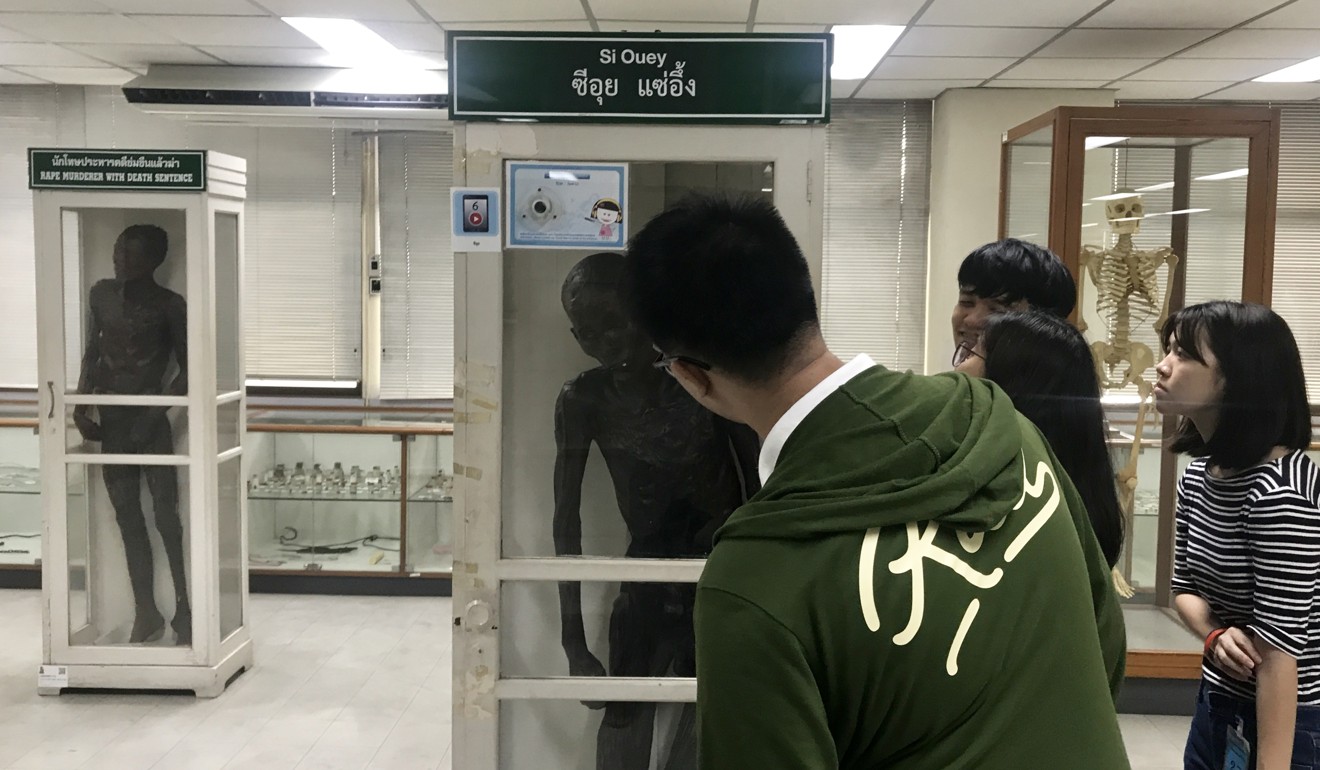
<point>475,218</point>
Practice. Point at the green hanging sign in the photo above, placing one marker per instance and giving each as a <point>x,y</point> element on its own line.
<point>640,78</point>
<point>170,170</point>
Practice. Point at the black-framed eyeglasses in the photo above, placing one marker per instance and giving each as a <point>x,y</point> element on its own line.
<point>963,352</point>
<point>664,361</point>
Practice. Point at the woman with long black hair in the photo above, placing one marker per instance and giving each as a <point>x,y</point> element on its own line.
<point>1043,363</point>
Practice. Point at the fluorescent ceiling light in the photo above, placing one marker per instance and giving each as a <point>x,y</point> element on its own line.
<point>1093,142</point>
<point>1179,211</point>
<point>859,47</point>
<point>1115,196</point>
<point>352,44</point>
<point>1235,173</point>
<point>1154,187</point>
<point>1093,224</point>
<point>1304,72</point>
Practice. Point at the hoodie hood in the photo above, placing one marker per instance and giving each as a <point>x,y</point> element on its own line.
<point>951,453</point>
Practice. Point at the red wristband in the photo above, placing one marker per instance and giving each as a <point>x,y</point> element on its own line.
<point>1212,637</point>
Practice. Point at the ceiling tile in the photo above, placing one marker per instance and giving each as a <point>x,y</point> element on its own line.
<point>193,7</point>
<point>9,77</point>
<point>85,76</point>
<point>933,68</point>
<point>82,28</point>
<point>226,30</point>
<point>1303,14</point>
<point>791,28</point>
<point>53,6</point>
<point>1046,83</point>
<point>1231,70</point>
<point>837,11</point>
<point>14,36</point>
<point>271,57</point>
<point>842,89</point>
<point>1126,43</point>
<point>137,56</point>
<point>362,10</point>
<point>1270,92</point>
<point>910,89</point>
<point>1070,69</point>
<point>1166,89</point>
<point>43,55</point>
<point>674,10</point>
<point>423,36</point>
<point>979,13</point>
<point>1260,44</point>
<point>616,25</point>
<point>972,41</point>
<point>517,26</point>
<point>1144,14</point>
<point>446,11</point>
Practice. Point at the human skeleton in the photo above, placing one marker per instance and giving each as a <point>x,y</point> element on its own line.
<point>1128,293</point>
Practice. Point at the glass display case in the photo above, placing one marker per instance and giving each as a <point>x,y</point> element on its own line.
<point>140,418</point>
<point>351,497</point>
<point>20,497</point>
<point>1152,209</point>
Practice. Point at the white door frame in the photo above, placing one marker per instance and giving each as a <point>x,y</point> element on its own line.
<point>479,568</point>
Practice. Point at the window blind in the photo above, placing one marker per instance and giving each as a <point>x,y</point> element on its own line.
<point>877,211</point>
<point>417,265</point>
<point>1297,235</point>
<point>31,119</point>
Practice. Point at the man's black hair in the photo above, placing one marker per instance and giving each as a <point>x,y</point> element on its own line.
<point>722,280</point>
<point>1012,270</point>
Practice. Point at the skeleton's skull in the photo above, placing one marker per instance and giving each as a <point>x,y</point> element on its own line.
<point>1124,214</point>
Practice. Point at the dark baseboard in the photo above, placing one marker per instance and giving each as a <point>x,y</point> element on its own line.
<point>1173,697</point>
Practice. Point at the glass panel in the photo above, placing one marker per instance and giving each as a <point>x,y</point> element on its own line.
<point>1216,237</point>
<point>230,522</point>
<point>126,329</point>
<point>128,554</point>
<point>323,501</point>
<point>643,470</point>
<point>145,429</point>
<point>1028,181</point>
<point>20,497</point>
<point>77,522</point>
<point>228,321</point>
<point>570,736</point>
<point>1153,209</point>
<point>227,425</point>
<point>629,629</point>
<point>430,504</point>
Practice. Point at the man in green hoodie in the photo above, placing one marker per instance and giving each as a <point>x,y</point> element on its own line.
<point>916,585</point>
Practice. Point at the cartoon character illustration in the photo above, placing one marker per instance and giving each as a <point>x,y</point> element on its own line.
<point>608,212</point>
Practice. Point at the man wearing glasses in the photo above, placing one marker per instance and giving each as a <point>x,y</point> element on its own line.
<point>915,585</point>
<point>1007,275</point>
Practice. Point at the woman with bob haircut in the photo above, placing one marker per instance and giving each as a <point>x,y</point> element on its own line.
<point>1044,365</point>
<point>1247,534</point>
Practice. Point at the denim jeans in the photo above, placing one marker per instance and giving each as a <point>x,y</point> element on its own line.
<point>1217,712</point>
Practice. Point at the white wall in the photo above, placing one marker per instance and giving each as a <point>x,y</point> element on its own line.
<point>964,186</point>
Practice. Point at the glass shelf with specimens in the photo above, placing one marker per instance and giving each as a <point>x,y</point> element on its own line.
<point>353,493</point>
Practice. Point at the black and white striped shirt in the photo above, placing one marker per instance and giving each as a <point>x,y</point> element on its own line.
<point>1250,546</point>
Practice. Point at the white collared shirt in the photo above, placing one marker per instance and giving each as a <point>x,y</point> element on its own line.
<point>774,440</point>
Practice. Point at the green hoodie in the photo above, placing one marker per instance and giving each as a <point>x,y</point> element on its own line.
<point>916,587</point>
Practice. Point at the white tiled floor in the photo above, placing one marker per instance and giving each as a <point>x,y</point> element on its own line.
<point>341,683</point>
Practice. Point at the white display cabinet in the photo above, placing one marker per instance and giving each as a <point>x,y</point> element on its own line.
<point>141,419</point>
<point>20,498</point>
